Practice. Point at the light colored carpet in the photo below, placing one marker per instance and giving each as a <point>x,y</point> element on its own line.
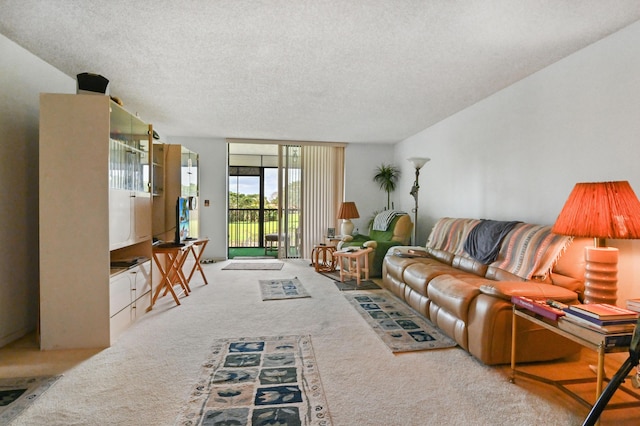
<point>147,375</point>
<point>253,266</point>
<point>282,288</point>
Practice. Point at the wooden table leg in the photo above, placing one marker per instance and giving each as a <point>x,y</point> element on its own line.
<point>356,262</point>
<point>197,254</point>
<point>513,345</point>
<point>165,281</point>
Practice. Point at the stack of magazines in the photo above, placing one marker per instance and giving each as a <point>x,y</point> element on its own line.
<point>600,323</point>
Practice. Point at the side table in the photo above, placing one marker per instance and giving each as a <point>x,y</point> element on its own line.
<point>323,259</point>
<point>561,384</point>
<point>357,263</point>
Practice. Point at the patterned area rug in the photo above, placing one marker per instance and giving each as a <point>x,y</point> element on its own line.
<point>17,394</point>
<point>397,324</point>
<point>258,381</point>
<point>256,266</point>
<point>287,288</point>
<point>350,284</point>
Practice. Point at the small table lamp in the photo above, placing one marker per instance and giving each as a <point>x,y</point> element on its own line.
<point>347,211</point>
<point>600,210</point>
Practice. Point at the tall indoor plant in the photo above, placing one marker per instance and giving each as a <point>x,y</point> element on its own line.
<point>387,176</point>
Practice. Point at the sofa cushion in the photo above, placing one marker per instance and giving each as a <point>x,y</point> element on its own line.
<point>533,290</point>
<point>498,274</point>
<point>572,262</point>
<point>418,275</point>
<point>470,265</point>
<point>441,255</point>
<point>452,294</point>
<point>524,251</point>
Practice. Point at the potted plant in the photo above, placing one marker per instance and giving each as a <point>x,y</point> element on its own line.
<point>387,176</point>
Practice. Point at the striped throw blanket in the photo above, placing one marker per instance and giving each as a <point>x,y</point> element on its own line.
<point>530,251</point>
<point>449,234</point>
<point>382,220</point>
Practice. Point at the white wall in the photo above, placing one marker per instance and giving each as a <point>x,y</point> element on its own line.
<point>518,154</point>
<point>213,187</point>
<point>361,161</point>
<point>22,78</point>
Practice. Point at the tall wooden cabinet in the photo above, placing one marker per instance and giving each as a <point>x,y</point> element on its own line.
<point>95,220</point>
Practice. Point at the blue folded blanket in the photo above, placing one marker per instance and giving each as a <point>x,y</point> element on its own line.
<point>484,239</point>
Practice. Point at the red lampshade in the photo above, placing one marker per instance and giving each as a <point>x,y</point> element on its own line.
<point>348,210</point>
<point>600,210</point>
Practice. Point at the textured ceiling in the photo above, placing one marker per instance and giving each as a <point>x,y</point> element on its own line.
<point>332,70</point>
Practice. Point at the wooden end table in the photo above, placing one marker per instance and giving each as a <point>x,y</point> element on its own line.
<point>357,263</point>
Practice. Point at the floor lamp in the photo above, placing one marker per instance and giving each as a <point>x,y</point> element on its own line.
<point>600,210</point>
<point>417,162</point>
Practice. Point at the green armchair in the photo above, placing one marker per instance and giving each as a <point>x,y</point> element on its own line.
<point>398,233</point>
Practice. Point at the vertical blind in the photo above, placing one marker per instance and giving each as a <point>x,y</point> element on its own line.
<point>322,192</point>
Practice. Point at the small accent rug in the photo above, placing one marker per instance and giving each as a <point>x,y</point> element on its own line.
<point>16,394</point>
<point>288,288</point>
<point>253,257</point>
<point>397,324</point>
<point>254,266</point>
<point>350,284</point>
<point>258,381</point>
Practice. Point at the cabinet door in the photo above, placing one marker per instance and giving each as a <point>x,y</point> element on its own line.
<point>142,216</point>
<point>142,279</point>
<point>120,223</point>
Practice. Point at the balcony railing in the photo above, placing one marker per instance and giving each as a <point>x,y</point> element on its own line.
<point>245,229</point>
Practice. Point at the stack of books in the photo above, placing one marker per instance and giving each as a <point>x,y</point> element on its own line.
<point>600,323</point>
<point>541,307</point>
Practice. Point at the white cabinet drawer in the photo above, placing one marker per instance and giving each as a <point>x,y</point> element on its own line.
<point>119,292</point>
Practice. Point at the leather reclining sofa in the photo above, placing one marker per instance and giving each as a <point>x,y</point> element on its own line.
<point>470,300</point>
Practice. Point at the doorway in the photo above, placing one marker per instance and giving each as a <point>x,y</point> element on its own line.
<point>263,213</point>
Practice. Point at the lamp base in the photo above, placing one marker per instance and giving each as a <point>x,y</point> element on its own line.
<point>601,275</point>
<point>347,227</point>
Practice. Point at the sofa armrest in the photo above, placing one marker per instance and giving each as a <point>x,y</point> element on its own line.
<point>532,290</point>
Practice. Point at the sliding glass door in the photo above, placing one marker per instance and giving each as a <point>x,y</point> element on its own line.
<point>289,196</point>
<point>283,196</point>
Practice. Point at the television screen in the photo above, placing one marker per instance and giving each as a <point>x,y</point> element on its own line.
<point>182,219</point>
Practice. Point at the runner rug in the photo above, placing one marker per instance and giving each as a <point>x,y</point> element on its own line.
<point>287,288</point>
<point>258,381</point>
<point>275,266</point>
<point>401,328</point>
<point>16,394</point>
<point>350,285</point>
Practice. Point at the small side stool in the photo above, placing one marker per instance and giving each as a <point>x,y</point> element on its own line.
<point>323,259</point>
<point>357,264</point>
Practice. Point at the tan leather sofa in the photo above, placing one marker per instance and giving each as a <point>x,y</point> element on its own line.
<point>471,301</point>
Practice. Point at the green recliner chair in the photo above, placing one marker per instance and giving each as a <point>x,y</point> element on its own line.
<point>398,233</point>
